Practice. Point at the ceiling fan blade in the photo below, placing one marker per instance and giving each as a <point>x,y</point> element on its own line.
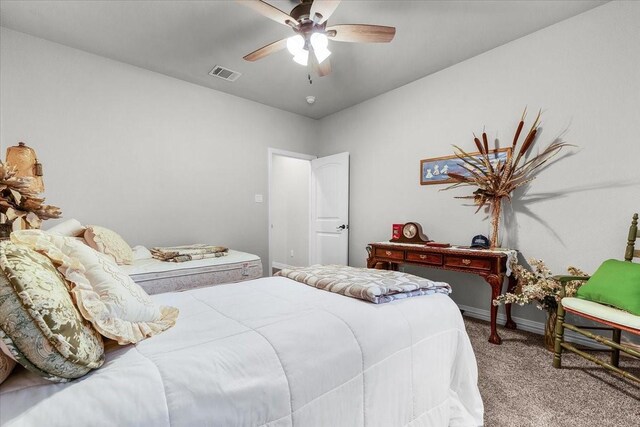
<point>270,12</point>
<point>320,69</point>
<point>324,8</point>
<point>361,33</point>
<point>266,50</point>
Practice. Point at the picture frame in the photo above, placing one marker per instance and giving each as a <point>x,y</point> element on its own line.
<point>431,170</point>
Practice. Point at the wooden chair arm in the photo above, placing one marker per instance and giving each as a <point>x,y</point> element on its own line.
<point>565,279</point>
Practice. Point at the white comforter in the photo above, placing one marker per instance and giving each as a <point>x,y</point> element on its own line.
<point>272,352</point>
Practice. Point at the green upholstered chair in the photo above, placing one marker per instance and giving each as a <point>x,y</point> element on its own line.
<point>615,320</point>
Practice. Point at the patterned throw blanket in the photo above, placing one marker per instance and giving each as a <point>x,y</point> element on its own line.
<point>188,252</point>
<point>377,286</point>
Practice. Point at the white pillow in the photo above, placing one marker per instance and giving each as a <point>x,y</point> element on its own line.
<point>107,297</point>
<point>70,227</point>
<point>140,252</point>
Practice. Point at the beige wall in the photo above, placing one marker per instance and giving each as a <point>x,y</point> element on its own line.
<point>159,160</point>
<point>583,72</point>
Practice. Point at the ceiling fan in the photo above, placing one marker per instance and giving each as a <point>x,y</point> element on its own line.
<point>309,45</point>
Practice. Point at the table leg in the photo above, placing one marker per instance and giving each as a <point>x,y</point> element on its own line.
<point>511,287</point>
<point>379,265</point>
<point>496,287</point>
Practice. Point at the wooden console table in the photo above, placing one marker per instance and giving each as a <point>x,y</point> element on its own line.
<point>490,265</point>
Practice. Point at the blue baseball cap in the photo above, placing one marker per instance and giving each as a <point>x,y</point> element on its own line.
<point>480,241</point>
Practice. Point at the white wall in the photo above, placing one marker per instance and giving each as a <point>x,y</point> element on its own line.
<point>159,160</point>
<point>583,72</point>
<point>290,210</point>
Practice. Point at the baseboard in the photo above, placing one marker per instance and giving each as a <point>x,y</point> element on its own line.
<point>527,325</point>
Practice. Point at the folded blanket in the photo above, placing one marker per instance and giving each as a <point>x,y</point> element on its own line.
<point>377,286</point>
<point>188,252</point>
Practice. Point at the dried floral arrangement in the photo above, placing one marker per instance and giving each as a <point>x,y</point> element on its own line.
<point>497,181</point>
<point>538,286</point>
<point>19,202</point>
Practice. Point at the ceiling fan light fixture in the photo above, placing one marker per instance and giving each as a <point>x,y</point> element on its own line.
<point>322,54</point>
<point>302,57</point>
<point>319,41</point>
<point>295,44</point>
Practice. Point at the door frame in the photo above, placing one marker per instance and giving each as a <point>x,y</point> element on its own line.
<point>284,153</point>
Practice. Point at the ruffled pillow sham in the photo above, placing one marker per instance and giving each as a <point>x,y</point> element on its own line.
<point>40,326</point>
<point>116,306</point>
<point>110,243</point>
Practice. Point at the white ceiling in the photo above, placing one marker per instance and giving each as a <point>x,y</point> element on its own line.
<point>185,39</point>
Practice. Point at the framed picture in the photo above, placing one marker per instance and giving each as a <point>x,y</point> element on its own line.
<point>435,170</point>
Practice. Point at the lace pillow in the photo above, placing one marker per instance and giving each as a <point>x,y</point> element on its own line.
<point>39,324</point>
<point>6,366</point>
<point>106,296</point>
<point>109,242</point>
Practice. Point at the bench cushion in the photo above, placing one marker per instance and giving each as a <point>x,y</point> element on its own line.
<point>603,312</point>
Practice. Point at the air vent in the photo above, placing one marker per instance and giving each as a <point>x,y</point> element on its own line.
<point>225,73</point>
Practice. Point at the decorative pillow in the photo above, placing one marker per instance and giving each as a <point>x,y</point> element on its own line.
<point>39,324</point>
<point>6,366</point>
<point>616,283</point>
<point>109,242</point>
<point>118,307</point>
<point>70,227</point>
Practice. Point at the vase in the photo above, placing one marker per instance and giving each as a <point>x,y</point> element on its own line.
<point>550,329</point>
<point>494,235</point>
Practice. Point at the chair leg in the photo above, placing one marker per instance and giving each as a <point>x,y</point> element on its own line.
<point>615,353</point>
<point>559,335</point>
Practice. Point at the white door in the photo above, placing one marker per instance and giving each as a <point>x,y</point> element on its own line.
<point>329,228</point>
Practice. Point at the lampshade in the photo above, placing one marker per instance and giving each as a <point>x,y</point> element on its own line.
<point>321,55</point>
<point>302,57</point>
<point>320,42</point>
<point>295,44</point>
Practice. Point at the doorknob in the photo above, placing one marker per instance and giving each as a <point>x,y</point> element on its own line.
<point>342,227</point>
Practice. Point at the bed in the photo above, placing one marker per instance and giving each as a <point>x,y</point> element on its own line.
<point>156,276</point>
<point>272,352</point>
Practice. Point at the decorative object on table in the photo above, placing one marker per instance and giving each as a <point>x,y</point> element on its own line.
<point>411,233</point>
<point>610,297</point>
<point>25,160</point>
<point>396,231</point>
<point>539,286</point>
<point>188,252</point>
<point>436,170</point>
<point>20,186</point>
<point>496,182</point>
<point>480,242</point>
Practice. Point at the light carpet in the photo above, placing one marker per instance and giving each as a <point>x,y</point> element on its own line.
<point>520,388</point>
